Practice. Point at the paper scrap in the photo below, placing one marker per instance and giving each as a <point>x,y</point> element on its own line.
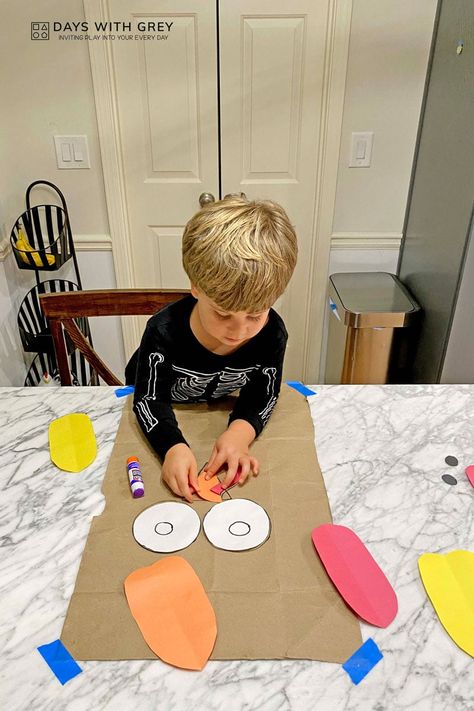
<point>219,489</point>
<point>470,473</point>
<point>72,442</point>
<point>355,574</point>
<point>449,581</point>
<point>166,527</point>
<point>362,661</point>
<point>173,612</point>
<point>297,385</point>
<point>61,663</point>
<point>126,390</point>
<point>237,525</point>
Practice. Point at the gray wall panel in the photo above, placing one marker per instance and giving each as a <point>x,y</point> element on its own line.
<point>458,366</point>
<point>441,198</point>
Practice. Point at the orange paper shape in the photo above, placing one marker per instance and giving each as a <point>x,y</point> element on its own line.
<point>173,612</point>
<point>205,487</point>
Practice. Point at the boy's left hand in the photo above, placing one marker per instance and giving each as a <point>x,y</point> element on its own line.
<point>232,447</point>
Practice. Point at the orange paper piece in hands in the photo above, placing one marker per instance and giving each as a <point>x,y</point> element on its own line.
<point>173,612</point>
<point>205,488</point>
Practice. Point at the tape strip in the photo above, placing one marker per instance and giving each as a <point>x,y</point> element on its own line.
<point>362,661</point>
<point>300,387</point>
<point>58,659</point>
<point>127,390</point>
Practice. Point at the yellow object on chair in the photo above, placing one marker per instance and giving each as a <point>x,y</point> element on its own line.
<point>449,582</point>
<point>23,246</point>
<point>72,442</point>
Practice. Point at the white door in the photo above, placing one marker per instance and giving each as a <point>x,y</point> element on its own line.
<point>243,116</point>
<point>272,66</point>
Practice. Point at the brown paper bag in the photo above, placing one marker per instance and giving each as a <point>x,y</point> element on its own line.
<point>273,602</point>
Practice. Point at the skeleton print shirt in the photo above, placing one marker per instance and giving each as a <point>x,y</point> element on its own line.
<point>171,366</point>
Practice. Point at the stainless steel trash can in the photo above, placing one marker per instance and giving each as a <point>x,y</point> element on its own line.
<point>371,320</point>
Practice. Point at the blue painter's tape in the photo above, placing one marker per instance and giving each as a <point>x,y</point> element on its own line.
<point>362,661</point>
<point>300,387</point>
<point>127,390</point>
<point>58,659</point>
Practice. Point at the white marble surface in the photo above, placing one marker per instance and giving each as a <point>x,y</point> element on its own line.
<point>381,450</point>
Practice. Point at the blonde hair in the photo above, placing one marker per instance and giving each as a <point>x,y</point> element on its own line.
<point>240,253</point>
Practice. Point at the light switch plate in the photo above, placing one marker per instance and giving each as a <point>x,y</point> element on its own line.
<point>361,149</point>
<point>72,152</point>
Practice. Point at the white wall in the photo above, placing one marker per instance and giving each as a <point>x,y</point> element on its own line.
<point>47,90</point>
<point>388,58</point>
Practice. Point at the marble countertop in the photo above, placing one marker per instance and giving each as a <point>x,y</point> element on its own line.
<point>381,451</point>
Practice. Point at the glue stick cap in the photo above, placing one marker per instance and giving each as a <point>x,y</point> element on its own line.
<point>132,460</point>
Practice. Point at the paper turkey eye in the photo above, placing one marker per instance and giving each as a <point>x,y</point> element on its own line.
<point>237,525</point>
<point>166,527</point>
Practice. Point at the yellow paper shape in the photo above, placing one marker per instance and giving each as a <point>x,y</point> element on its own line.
<point>72,442</point>
<point>173,612</point>
<point>449,582</point>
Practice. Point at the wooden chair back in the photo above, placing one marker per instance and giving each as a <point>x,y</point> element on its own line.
<point>62,308</point>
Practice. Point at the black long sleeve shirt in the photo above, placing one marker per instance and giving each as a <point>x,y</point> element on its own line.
<point>171,366</point>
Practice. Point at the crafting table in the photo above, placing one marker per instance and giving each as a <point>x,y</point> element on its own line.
<point>381,450</point>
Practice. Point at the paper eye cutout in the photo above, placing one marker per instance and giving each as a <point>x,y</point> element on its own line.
<point>236,525</point>
<point>166,527</point>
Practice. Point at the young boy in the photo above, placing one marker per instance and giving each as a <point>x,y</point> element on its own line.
<point>239,257</point>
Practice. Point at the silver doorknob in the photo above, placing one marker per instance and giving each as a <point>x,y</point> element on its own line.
<point>206,198</point>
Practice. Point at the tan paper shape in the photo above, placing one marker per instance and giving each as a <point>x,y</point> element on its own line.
<point>273,602</point>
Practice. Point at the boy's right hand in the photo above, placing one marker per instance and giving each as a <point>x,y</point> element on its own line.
<point>179,470</point>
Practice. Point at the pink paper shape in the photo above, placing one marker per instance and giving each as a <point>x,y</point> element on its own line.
<point>218,488</point>
<point>355,574</point>
<point>470,473</point>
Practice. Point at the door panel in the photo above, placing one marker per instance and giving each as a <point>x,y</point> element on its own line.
<point>167,103</point>
<point>272,67</point>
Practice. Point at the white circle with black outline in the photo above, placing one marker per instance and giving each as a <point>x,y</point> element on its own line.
<point>166,527</point>
<point>237,525</point>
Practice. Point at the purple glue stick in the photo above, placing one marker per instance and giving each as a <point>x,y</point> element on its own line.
<point>135,477</point>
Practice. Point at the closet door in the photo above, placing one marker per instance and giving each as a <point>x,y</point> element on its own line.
<point>272,67</point>
<point>171,149</point>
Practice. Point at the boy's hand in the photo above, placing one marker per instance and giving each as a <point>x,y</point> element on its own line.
<point>232,447</point>
<point>179,469</point>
